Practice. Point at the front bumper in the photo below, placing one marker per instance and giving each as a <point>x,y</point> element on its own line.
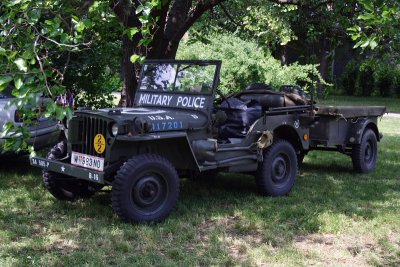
<point>68,169</point>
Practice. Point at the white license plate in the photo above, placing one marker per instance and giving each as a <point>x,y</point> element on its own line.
<point>87,161</point>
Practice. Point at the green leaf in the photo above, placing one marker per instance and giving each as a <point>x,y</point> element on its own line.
<point>139,9</point>
<point>18,82</point>
<point>367,16</point>
<point>21,64</point>
<point>368,5</point>
<point>68,113</point>
<point>131,32</point>
<point>15,2</point>
<point>373,44</point>
<point>2,51</point>
<point>134,58</point>
<point>365,44</point>
<point>4,81</point>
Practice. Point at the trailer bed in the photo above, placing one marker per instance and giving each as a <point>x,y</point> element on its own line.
<point>350,111</point>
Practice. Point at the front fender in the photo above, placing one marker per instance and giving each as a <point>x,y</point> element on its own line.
<point>174,146</point>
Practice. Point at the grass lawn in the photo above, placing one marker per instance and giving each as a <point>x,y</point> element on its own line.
<point>392,104</point>
<point>333,217</point>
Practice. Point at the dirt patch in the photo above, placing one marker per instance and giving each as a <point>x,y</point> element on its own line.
<point>236,235</point>
<point>333,250</point>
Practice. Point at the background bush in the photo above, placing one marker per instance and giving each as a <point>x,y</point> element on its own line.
<point>371,78</point>
<point>94,74</point>
<point>349,78</point>
<point>243,62</point>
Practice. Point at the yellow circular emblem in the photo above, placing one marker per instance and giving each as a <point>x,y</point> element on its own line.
<point>99,143</point>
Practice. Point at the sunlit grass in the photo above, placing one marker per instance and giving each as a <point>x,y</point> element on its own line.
<point>333,216</point>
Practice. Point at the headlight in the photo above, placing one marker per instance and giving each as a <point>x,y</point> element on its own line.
<point>114,129</point>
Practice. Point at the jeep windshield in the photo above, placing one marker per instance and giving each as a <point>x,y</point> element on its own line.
<point>181,84</point>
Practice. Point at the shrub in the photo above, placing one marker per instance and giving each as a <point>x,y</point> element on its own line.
<point>244,62</point>
<point>94,74</point>
<point>349,78</point>
<point>365,82</point>
<point>396,87</point>
<point>371,78</point>
<point>385,80</point>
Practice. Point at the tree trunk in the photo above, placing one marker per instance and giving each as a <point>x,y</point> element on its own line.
<point>174,21</point>
<point>129,73</point>
<point>323,64</point>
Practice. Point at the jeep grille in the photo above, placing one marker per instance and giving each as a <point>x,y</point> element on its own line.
<point>88,127</point>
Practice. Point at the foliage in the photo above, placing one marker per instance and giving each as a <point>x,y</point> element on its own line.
<point>365,79</point>
<point>371,77</point>
<point>378,24</point>
<point>349,77</point>
<point>94,73</point>
<point>243,62</point>
<point>386,79</point>
<point>33,37</point>
<point>266,24</point>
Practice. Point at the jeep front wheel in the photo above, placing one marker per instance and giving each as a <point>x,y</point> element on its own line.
<point>145,189</point>
<point>65,187</point>
<point>277,173</point>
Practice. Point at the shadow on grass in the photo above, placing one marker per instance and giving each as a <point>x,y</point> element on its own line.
<point>326,196</point>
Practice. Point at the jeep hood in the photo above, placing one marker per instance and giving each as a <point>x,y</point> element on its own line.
<point>159,119</point>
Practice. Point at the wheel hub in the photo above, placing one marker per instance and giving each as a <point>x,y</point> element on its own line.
<point>279,169</point>
<point>147,191</point>
<point>368,153</point>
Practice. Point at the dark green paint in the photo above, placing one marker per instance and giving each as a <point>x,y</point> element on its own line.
<point>185,137</point>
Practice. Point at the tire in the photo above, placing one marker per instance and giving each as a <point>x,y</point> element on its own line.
<point>277,173</point>
<point>365,154</point>
<point>145,189</point>
<point>65,187</point>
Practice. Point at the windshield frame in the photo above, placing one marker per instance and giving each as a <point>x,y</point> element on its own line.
<point>206,97</point>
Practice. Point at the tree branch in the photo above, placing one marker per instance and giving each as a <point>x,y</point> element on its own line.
<point>305,4</point>
<point>287,2</point>
<point>41,65</point>
<point>228,15</point>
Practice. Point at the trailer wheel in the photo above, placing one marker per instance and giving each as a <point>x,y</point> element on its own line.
<point>277,173</point>
<point>365,154</point>
<point>65,187</point>
<point>145,189</point>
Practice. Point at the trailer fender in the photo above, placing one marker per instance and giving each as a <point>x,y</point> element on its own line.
<point>359,126</point>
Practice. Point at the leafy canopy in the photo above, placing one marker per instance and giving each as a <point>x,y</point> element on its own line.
<point>34,36</point>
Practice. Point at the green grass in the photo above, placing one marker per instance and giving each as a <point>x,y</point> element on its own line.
<point>392,104</point>
<point>333,216</point>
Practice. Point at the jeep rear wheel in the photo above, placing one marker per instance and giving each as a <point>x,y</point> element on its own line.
<point>277,173</point>
<point>145,189</point>
<point>365,154</point>
<point>65,187</point>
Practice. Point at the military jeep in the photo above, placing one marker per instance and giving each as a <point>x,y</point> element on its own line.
<point>179,128</point>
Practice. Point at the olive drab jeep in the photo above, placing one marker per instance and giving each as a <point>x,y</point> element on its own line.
<point>179,128</point>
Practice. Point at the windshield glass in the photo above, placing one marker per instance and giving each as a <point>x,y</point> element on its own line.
<point>176,77</point>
